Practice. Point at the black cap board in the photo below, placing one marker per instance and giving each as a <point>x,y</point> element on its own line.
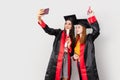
<point>72,18</point>
<point>83,22</point>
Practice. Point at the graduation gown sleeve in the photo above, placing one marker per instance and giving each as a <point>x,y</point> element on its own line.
<point>95,26</point>
<point>49,30</point>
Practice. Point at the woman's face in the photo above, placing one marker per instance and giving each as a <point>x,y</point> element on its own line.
<point>68,25</point>
<point>79,29</point>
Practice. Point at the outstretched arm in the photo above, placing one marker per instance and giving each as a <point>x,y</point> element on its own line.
<point>94,24</point>
<point>45,27</point>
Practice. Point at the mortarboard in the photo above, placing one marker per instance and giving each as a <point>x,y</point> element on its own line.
<point>72,18</point>
<point>83,22</point>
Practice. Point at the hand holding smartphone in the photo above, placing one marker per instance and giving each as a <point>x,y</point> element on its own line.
<point>46,11</point>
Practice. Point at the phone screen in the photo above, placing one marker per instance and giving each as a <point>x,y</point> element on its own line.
<point>46,11</point>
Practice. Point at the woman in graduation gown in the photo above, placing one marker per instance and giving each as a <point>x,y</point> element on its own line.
<point>84,51</point>
<point>59,66</point>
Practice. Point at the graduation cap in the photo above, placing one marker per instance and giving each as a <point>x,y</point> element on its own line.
<point>83,22</point>
<point>72,18</point>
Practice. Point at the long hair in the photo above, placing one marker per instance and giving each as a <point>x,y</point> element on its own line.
<point>72,37</point>
<point>83,37</point>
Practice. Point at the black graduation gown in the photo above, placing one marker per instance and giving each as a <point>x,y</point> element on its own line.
<point>55,62</point>
<point>88,71</point>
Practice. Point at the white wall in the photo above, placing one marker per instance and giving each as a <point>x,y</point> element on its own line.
<point>25,48</point>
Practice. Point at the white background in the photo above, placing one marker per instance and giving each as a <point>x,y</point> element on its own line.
<point>25,48</point>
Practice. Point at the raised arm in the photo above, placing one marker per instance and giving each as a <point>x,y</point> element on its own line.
<point>94,24</point>
<point>45,27</point>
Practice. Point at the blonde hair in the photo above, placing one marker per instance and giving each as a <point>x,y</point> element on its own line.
<point>83,37</point>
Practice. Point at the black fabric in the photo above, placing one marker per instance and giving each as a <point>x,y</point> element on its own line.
<point>51,69</point>
<point>83,22</point>
<point>89,55</point>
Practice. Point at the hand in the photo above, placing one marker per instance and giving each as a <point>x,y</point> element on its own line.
<point>40,14</point>
<point>90,12</point>
<point>76,57</point>
<point>68,42</point>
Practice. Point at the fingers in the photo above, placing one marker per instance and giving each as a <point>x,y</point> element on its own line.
<point>89,8</point>
<point>89,11</point>
<point>76,56</point>
<point>69,41</point>
<point>41,11</point>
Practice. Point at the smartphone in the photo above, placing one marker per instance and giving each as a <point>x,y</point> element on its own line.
<point>46,11</point>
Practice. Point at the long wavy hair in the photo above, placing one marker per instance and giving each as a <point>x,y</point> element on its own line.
<point>72,36</point>
<point>83,37</point>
